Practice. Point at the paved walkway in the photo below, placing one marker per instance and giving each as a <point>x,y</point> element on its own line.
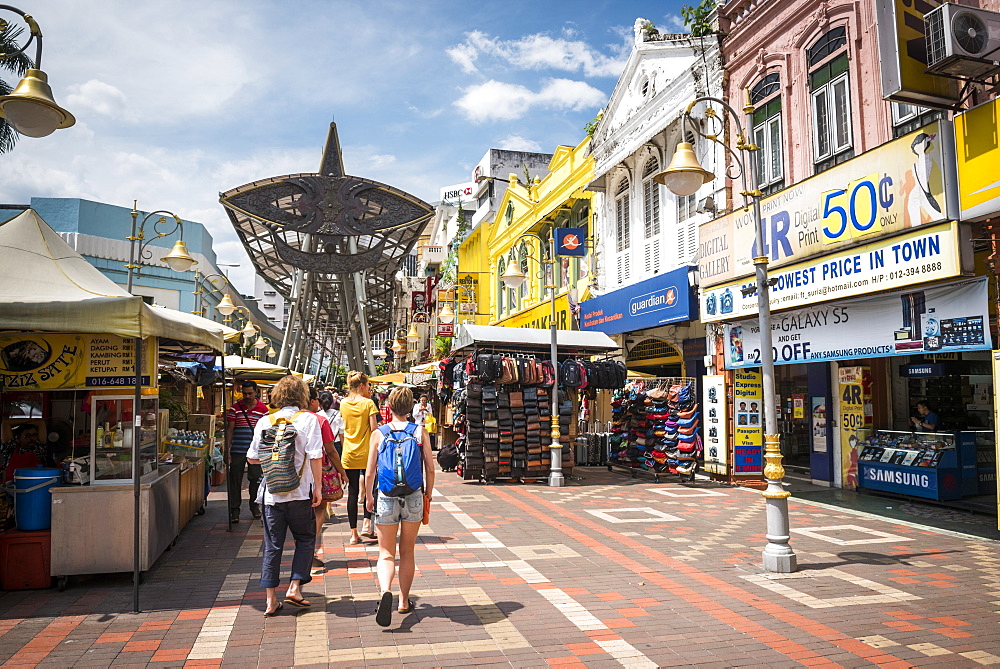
<point>609,571</point>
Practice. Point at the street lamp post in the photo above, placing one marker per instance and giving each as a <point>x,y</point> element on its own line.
<point>178,259</point>
<point>683,177</point>
<point>30,108</point>
<point>199,294</point>
<point>513,277</point>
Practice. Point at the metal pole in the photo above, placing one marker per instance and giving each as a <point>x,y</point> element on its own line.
<point>556,478</point>
<point>131,250</point>
<point>293,298</point>
<point>362,297</point>
<point>778,554</point>
<point>136,487</point>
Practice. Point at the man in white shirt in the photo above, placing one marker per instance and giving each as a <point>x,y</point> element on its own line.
<point>420,410</point>
<point>291,510</point>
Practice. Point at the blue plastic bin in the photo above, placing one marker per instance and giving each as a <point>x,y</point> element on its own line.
<point>32,499</point>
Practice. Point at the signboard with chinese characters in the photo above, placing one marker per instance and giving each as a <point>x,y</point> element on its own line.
<point>63,361</point>
<point>713,404</point>
<point>928,254</point>
<point>748,429</point>
<point>950,317</point>
<point>891,189</point>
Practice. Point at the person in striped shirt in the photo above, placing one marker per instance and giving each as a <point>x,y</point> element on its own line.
<point>241,419</point>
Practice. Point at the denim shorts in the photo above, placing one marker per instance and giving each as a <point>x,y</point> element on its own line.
<point>391,510</point>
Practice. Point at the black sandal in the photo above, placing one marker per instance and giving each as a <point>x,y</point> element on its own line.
<point>383,614</point>
<point>271,614</point>
<point>408,609</point>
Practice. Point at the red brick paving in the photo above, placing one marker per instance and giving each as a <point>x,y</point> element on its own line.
<point>667,593</point>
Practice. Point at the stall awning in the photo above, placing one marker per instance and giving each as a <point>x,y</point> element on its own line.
<point>46,286</point>
<point>395,377</point>
<point>568,341</point>
<point>248,368</point>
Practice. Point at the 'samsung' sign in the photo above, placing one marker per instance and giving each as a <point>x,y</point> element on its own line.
<point>899,478</point>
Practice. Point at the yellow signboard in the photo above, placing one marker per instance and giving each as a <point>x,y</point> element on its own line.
<point>977,134</point>
<point>852,422</point>
<point>63,361</point>
<point>540,315</point>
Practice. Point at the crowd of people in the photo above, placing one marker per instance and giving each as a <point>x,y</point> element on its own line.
<point>378,451</point>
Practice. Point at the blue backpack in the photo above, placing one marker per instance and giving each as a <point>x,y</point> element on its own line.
<point>400,465</point>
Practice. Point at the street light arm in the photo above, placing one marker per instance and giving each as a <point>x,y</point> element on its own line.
<point>33,30</point>
<point>744,169</point>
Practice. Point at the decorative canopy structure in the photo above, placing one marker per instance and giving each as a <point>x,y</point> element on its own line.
<point>331,244</point>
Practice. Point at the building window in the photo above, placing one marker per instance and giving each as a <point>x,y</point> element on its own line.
<point>508,214</point>
<point>546,267</point>
<point>686,206</point>
<point>906,117</point>
<point>622,216</point>
<point>829,86</point>
<point>525,287</point>
<point>623,268</point>
<point>270,293</point>
<point>512,305</point>
<point>651,198</point>
<point>501,288</point>
<point>766,98</point>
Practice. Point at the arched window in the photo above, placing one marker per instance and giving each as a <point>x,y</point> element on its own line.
<point>766,98</point>
<point>511,293</point>
<point>622,215</point>
<point>508,214</point>
<point>525,288</point>
<point>829,86</point>
<point>546,281</point>
<point>501,289</point>
<point>651,198</point>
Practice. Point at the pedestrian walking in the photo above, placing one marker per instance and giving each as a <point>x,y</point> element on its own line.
<point>360,419</point>
<point>241,419</point>
<point>332,467</point>
<point>289,446</point>
<point>401,470</point>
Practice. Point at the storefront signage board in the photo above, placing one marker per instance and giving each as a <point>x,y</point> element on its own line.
<point>951,317</point>
<point>540,315</point>
<point>852,422</point>
<point>886,191</point>
<point>748,429</point>
<point>713,403</point>
<point>977,135</point>
<point>65,361</point>
<point>927,254</point>
<point>902,40</point>
<point>663,299</point>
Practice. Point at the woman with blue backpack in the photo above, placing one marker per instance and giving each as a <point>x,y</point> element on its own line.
<point>401,465</point>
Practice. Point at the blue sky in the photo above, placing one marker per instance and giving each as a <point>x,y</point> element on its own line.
<point>177,101</point>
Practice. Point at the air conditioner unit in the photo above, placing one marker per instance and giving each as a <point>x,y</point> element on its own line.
<point>962,42</point>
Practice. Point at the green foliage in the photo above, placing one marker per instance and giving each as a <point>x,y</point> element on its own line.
<point>178,411</point>
<point>381,369</point>
<point>442,347</point>
<point>698,19</point>
<point>590,127</point>
<point>16,65</point>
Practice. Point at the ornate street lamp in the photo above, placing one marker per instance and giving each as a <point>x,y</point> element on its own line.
<point>178,259</point>
<point>683,177</point>
<point>30,108</point>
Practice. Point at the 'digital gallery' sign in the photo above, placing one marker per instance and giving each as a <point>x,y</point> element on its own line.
<point>938,319</point>
<point>886,191</point>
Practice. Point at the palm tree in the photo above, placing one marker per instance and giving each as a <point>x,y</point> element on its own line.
<point>17,64</point>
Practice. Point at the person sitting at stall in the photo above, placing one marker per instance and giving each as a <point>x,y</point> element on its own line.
<point>24,450</point>
<point>926,420</point>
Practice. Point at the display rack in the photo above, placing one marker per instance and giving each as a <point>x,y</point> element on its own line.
<point>656,428</point>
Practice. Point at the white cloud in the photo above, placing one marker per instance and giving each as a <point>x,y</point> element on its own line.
<point>518,143</point>
<point>540,51</point>
<point>675,23</point>
<point>96,96</point>
<point>500,101</point>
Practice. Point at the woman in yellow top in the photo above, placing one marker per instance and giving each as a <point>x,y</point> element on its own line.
<point>360,419</point>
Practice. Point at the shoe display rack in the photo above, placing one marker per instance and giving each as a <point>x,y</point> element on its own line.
<point>656,425</point>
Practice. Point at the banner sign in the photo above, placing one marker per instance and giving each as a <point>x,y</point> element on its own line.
<point>540,315</point>
<point>951,317</point>
<point>852,422</point>
<point>930,254</point>
<point>713,402</point>
<point>977,133</point>
<point>666,298</point>
<point>748,429</point>
<point>571,241</point>
<point>446,330</point>
<point>888,190</point>
<point>902,43</point>
<point>60,361</point>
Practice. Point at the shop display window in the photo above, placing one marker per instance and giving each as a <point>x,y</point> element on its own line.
<point>113,427</point>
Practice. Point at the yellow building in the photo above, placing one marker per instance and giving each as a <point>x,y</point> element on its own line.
<point>559,200</point>
<point>473,288</point>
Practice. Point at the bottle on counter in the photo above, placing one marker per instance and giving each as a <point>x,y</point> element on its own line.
<point>99,437</point>
<point>118,437</point>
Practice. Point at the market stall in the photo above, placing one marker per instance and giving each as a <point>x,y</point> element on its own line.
<point>78,357</point>
<point>498,386</point>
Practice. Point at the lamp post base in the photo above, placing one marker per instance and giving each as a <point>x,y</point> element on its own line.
<point>780,563</point>
<point>556,480</point>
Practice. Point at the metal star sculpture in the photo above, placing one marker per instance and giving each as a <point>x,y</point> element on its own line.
<point>332,208</point>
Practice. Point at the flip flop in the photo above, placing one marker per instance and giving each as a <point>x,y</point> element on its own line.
<point>408,609</point>
<point>369,535</point>
<point>383,615</point>
<point>352,542</point>
<point>275,612</point>
<point>301,603</point>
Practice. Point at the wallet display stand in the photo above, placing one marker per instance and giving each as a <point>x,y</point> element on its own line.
<point>656,425</point>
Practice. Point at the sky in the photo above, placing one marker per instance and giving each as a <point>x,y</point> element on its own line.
<point>178,101</point>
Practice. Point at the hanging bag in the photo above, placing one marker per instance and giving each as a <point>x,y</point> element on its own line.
<point>332,490</point>
<point>277,455</point>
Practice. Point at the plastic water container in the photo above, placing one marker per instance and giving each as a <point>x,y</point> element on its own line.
<point>32,499</point>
